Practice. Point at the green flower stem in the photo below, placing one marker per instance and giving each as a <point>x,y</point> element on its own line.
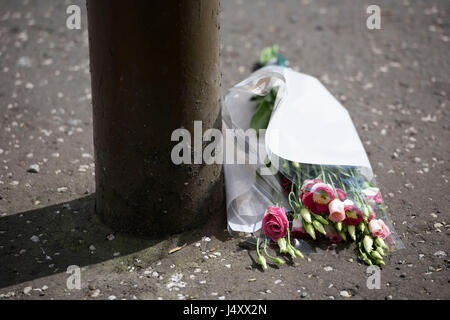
<point>257,246</point>
<point>299,171</point>
<point>275,259</point>
<point>293,202</point>
<point>289,237</point>
<point>294,252</point>
<point>343,187</point>
<point>323,174</point>
<point>332,185</point>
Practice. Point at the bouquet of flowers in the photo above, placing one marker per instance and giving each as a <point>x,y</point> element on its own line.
<point>320,183</point>
<point>335,203</point>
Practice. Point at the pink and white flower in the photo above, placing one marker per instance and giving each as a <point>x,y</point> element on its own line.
<point>308,184</point>
<point>379,229</point>
<point>308,201</point>
<point>352,212</point>
<point>323,193</point>
<point>373,195</point>
<point>337,211</point>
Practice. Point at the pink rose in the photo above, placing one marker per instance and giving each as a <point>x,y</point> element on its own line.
<point>332,234</point>
<point>275,223</point>
<point>337,212</point>
<point>323,193</point>
<point>379,229</point>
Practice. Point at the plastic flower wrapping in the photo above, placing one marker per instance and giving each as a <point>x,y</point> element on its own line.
<point>310,179</point>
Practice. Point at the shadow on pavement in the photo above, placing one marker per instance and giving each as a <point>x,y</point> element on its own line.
<point>46,241</point>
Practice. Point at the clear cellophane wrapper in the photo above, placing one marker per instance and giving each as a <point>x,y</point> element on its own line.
<point>309,130</point>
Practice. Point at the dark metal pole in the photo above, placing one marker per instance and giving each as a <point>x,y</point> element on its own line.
<point>155,68</point>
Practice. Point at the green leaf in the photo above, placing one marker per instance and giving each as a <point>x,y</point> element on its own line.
<point>267,54</point>
<point>257,98</point>
<point>260,119</point>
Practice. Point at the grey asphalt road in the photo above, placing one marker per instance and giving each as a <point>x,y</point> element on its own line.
<point>394,82</point>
